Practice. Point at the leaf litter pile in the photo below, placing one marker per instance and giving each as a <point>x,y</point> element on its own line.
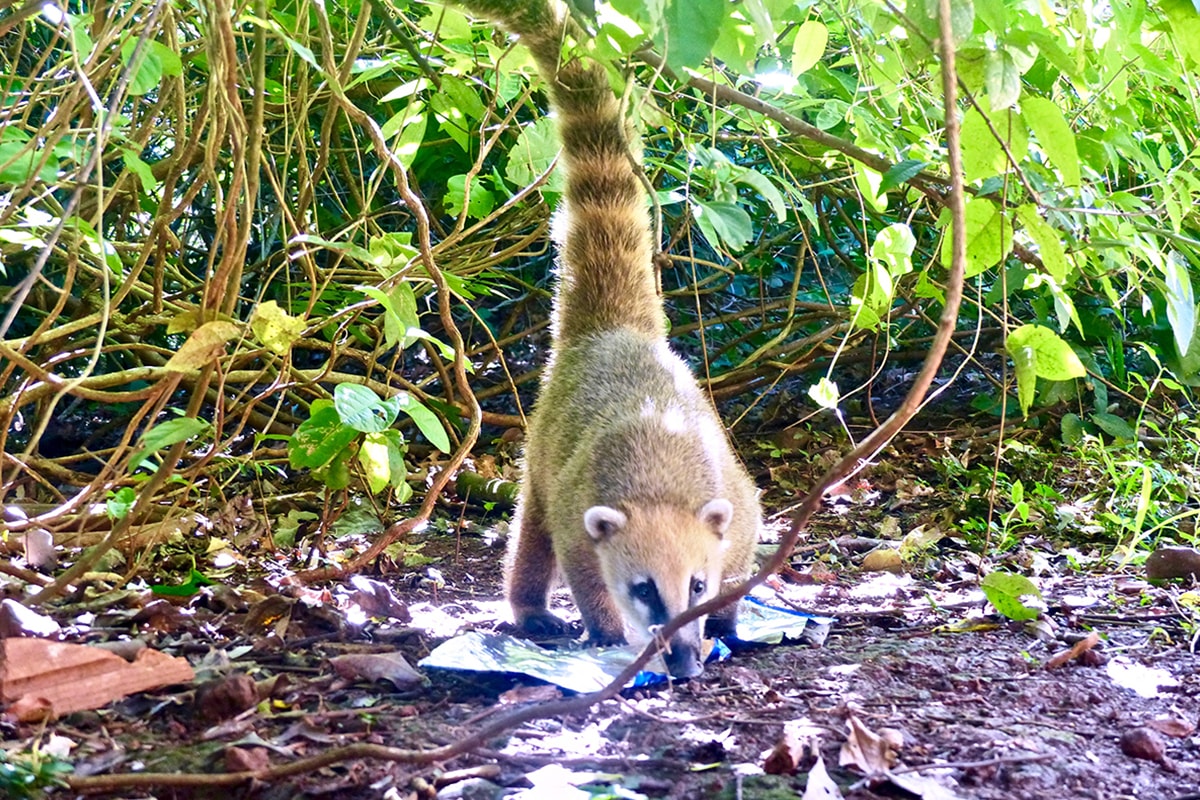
<point>218,659</point>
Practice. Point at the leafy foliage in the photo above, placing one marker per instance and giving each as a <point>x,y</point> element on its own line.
<point>235,213</point>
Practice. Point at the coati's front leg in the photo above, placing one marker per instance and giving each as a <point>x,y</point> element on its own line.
<point>723,622</point>
<point>530,569</point>
<point>600,616</point>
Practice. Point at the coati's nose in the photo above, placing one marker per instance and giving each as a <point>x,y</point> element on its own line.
<point>683,661</point>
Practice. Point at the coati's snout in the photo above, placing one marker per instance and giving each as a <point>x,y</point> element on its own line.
<point>657,562</point>
<point>685,657</point>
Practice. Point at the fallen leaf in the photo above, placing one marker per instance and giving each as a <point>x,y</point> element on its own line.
<point>885,559</point>
<point>1074,651</point>
<point>246,759</point>
<point>799,739</point>
<point>870,752</point>
<point>270,615</point>
<point>820,786</point>
<point>1175,728</point>
<point>377,599</point>
<point>372,667</point>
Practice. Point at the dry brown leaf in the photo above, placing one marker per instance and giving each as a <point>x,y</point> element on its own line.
<point>1074,651</point>
<point>866,749</point>
<point>1175,728</point>
<point>391,667</point>
<point>377,599</point>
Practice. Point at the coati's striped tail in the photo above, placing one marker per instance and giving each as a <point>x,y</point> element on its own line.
<point>606,278</point>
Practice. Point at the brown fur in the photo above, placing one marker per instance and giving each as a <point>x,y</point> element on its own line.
<point>622,433</point>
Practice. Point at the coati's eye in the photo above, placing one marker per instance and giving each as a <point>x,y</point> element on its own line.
<point>697,587</point>
<point>645,591</point>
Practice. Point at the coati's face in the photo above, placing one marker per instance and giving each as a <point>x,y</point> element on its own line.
<point>657,562</point>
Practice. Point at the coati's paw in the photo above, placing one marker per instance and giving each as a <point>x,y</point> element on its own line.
<point>542,624</point>
<point>717,627</point>
<point>598,637</point>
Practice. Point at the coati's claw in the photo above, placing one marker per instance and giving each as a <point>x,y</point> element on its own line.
<point>543,624</point>
<point>602,639</point>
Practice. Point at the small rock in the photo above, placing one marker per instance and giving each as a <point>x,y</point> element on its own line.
<point>471,789</point>
<point>1173,562</point>
<point>1143,743</point>
<point>19,620</point>
<point>226,698</point>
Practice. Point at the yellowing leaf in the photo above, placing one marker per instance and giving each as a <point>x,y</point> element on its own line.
<point>275,328</point>
<point>809,46</point>
<point>205,345</point>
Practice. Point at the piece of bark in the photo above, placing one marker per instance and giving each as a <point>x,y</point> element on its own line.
<point>73,677</point>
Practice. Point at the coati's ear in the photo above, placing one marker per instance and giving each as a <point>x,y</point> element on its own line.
<point>602,522</point>
<point>717,514</point>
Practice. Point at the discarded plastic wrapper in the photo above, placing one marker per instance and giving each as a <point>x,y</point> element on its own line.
<point>591,669</point>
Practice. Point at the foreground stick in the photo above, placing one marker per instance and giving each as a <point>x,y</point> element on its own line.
<point>631,487</point>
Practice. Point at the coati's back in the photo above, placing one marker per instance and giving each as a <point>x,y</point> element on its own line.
<point>630,486</point>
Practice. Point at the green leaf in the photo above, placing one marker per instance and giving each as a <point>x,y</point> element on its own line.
<point>120,502</point>
<point>1185,26</point>
<point>1055,360</point>
<point>724,224</point>
<point>1039,352</point>
<point>809,46</point>
<point>19,160</point>
<point>427,422</point>
<point>1050,248</point>
<point>535,150</point>
<point>336,473</point>
<point>144,74</point>
<point>482,201</point>
<point>1006,592</point>
<point>763,185</point>
<point>196,579</point>
<point>690,29</point>
<point>1002,79</point>
<point>135,164</point>
<point>1114,426</point>
<point>165,434</point>
<point>320,437</point>
<point>1072,429</point>
<point>1054,135</point>
<point>893,247</point>
<point>981,152</point>
<point>900,173</point>
<point>825,394</point>
<point>360,408</point>
<point>1181,302</point>
<point>989,237</point>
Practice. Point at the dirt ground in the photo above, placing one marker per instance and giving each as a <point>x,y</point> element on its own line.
<point>920,690</point>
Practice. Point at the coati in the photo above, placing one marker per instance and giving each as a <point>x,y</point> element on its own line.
<point>630,485</point>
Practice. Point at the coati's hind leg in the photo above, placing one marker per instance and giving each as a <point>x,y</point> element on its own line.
<point>529,570</point>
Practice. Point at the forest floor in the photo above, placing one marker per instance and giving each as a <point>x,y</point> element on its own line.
<point>920,690</point>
